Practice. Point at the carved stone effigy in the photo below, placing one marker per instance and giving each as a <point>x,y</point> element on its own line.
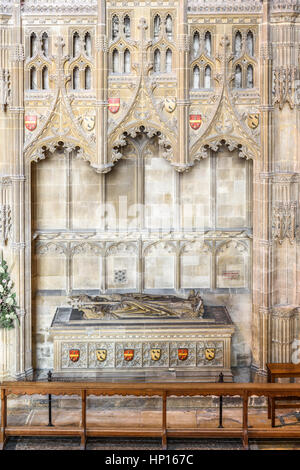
<point>139,335</point>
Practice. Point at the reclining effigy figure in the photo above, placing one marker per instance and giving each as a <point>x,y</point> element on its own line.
<point>129,306</point>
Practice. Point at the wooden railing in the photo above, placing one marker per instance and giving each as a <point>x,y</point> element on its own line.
<point>163,390</point>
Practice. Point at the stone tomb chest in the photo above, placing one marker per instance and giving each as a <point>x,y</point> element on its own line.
<point>142,336</point>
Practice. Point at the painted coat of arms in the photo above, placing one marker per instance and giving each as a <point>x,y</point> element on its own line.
<point>88,123</point>
<point>183,354</point>
<point>210,353</point>
<point>253,120</point>
<point>155,354</point>
<point>114,105</point>
<point>170,104</point>
<point>31,122</point>
<point>101,355</point>
<point>74,355</point>
<point>195,121</point>
<point>128,354</point>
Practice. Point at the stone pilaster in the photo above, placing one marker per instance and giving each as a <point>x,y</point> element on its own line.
<point>261,206</point>
<point>183,87</point>
<point>101,87</point>
<point>284,331</point>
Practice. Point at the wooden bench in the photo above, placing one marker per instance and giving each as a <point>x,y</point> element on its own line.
<point>275,371</point>
<point>163,390</point>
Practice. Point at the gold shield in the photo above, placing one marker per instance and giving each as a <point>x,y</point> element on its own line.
<point>253,120</point>
<point>101,354</point>
<point>155,354</point>
<point>210,353</point>
<point>170,104</point>
<point>88,123</point>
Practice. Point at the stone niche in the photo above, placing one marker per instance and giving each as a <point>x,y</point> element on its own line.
<point>168,340</point>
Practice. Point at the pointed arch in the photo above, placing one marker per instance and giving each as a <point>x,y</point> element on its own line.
<point>76,44</point>
<point>169,60</point>
<point>33,79</point>
<point>238,79</point>
<point>88,44</point>
<point>127,26</point>
<point>115,61</point>
<point>207,77</point>
<point>196,77</point>
<point>250,77</point>
<point>45,44</point>
<point>33,44</point>
<point>196,44</point>
<point>157,61</point>
<point>237,44</point>
<point>87,78</point>
<point>76,78</point>
<point>115,27</point>
<point>127,61</point>
<point>250,43</point>
<point>45,78</point>
<point>156,26</point>
<point>169,27</point>
<point>207,40</point>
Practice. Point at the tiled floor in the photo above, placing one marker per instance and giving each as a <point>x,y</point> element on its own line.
<point>127,418</point>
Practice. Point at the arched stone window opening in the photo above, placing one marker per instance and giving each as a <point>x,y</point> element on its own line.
<point>249,83</point>
<point>196,44</point>
<point>127,61</point>
<point>33,79</point>
<point>88,44</point>
<point>45,79</point>
<point>157,26</point>
<point>76,44</point>
<point>115,27</point>
<point>157,61</point>
<point>33,44</point>
<point>168,61</point>
<point>238,77</point>
<point>208,43</point>
<point>196,78</point>
<point>207,77</point>
<point>45,44</point>
<point>115,61</point>
<point>87,78</point>
<point>127,31</point>
<point>250,43</point>
<point>237,44</point>
<point>169,27</point>
<point>76,78</point>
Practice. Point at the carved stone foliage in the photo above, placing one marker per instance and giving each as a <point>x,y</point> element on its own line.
<point>283,221</point>
<point>284,86</point>
<point>56,7</point>
<point>5,223</point>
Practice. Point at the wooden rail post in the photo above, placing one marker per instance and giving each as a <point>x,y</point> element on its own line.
<point>3,418</point>
<point>245,420</point>
<point>164,421</point>
<point>83,420</point>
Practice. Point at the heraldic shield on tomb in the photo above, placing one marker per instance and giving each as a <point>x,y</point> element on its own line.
<point>138,335</point>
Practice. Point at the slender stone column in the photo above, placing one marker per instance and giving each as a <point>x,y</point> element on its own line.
<point>183,87</point>
<point>101,88</point>
<point>22,348</point>
<point>261,205</point>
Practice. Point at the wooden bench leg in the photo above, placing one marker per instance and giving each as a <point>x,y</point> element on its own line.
<point>3,419</point>
<point>272,412</point>
<point>164,441</point>
<point>245,422</point>
<point>83,442</point>
<point>83,420</point>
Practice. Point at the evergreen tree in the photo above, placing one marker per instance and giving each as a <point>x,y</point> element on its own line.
<point>8,305</point>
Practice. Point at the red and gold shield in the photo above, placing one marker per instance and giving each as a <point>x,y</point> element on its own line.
<point>74,354</point>
<point>195,121</point>
<point>183,354</point>
<point>114,105</point>
<point>30,122</point>
<point>128,354</point>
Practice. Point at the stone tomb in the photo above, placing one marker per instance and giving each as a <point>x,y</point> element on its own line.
<point>141,336</point>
